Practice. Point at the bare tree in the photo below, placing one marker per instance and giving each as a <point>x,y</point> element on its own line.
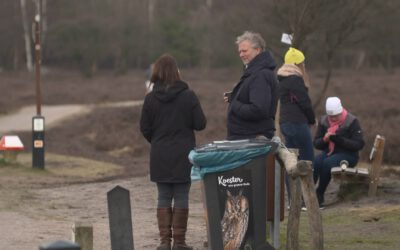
<point>44,20</point>
<point>206,60</point>
<point>151,6</point>
<point>329,22</point>
<point>336,31</point>
<point>27,37</point>
<point>301,17</point>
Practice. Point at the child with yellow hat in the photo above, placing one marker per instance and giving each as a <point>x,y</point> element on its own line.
<point>296,114</point>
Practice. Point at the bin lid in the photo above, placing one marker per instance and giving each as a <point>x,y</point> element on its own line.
<point>236,144</point>
<point>225,155</point>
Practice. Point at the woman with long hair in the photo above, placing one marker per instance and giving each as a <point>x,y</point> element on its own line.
<point>296,112</point>
<point>170,114</point>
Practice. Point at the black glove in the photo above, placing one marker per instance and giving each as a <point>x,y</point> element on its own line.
<point>336,139</point>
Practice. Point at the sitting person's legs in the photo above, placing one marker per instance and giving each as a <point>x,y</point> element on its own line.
<point>325,170</point>
<point>318,165</point>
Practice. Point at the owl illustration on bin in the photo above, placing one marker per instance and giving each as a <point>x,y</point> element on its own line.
<point>235,221</point>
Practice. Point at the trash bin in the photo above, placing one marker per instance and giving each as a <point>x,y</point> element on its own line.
<point>234,185</point>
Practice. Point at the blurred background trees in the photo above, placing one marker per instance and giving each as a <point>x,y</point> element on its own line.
<point>125,34</point>
<point>339,38</point>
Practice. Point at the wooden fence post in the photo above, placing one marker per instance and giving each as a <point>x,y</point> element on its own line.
<point>82,234</point>
<point>376,168</point>
<point>292,232</point>
<point>310,199</point>
<point>301,170</point>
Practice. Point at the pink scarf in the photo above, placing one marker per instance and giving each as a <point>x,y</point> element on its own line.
<point>333,126</point>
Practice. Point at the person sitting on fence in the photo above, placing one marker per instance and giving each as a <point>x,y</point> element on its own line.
<point>340,137</point>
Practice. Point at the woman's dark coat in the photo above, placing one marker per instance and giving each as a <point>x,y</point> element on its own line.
<point>296,106</point>
<point>253,100</point>
<point>348,138</point>
<point>169,118</point>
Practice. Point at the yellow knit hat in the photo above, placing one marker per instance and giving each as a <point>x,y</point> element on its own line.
<point>294,56</point>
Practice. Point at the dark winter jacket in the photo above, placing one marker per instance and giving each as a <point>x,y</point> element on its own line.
<point>296,106</point>
<point>169,118</point>
<point>253,100</point>
<point>348,138</point>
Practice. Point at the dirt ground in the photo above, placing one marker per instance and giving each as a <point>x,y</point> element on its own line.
<point>88,155</point>
<point>40,207</point>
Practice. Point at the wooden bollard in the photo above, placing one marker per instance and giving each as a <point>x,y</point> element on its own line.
<point>376,168</point>
<point>310,199</point>
<point>83,235</point>
<point>301,171</point>
<point>292,232</point>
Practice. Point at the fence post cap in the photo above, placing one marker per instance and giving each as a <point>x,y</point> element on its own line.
<point>60,245</point>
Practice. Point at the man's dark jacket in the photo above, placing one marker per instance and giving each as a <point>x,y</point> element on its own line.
<point>348,138</point>
<point>169,118</point>
<point>253,100</point>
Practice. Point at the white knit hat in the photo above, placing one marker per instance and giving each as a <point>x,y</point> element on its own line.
<point>333,106</point>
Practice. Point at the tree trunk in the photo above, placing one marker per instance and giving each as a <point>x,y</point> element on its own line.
<point>44,22</point>
<point>360,59</point>
<point>326,82</point>
<point>152,4</point>
<point>27,38</point>
<point>206,60</point>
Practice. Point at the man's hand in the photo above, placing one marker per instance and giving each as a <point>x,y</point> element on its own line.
<point>227,96</point>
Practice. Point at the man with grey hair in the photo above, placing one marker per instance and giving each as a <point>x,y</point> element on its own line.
<point>253,100</point>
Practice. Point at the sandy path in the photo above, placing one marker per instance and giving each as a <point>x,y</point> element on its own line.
<point>47,215</point>
<point>22,119</point>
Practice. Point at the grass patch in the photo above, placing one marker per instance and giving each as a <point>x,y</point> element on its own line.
<point>368,224</point>
<point>73,168</point>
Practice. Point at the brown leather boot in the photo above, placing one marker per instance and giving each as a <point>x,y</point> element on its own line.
<point>164,218</point>
<point>179,226</point>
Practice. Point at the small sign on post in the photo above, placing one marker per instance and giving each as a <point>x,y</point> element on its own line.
<point>287,39</point>
<point>38,142</point>
<point>38,120</point>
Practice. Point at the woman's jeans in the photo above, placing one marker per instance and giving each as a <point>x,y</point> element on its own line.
<point>323,164</point>
<point>298,135</point>
<point>179,192</point>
